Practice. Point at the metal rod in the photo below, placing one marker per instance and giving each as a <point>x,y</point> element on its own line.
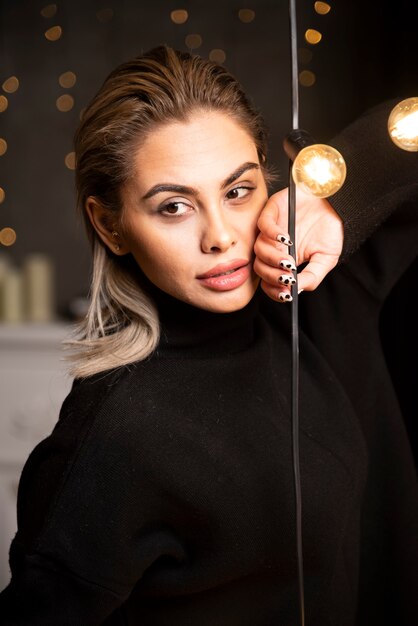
<point>295,324</point>
<point>294,64</point>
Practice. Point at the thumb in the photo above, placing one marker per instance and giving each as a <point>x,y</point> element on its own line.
<point>320,264</point>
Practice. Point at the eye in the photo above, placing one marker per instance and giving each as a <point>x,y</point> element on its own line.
<point>175,209</point>
<point>237,193</point>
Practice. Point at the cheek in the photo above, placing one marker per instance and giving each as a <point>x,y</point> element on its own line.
<point>160,253</point>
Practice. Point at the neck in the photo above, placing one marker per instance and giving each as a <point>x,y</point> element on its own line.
<point>187,328</point>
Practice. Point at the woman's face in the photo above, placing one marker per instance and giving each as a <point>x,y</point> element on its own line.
<point>190,212</point>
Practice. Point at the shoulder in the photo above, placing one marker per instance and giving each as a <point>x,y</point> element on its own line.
<point>97,408</point>
<point>95,399</point>
<point>100,427</point>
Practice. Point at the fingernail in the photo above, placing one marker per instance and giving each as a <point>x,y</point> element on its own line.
<point>285,240</point>
<point>300,291</point>
<point>287,265</point>
<point>285,297</point>
<point>286,279</point>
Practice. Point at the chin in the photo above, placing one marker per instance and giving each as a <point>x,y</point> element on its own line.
<point>228,301</point>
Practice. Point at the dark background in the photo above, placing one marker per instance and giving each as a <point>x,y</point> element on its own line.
<point>367,54</point>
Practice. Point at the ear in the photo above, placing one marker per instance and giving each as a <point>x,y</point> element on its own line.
<point>104,224</point>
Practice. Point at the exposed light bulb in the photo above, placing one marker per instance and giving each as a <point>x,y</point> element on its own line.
<point>319,169</point>
<point>403,124</point>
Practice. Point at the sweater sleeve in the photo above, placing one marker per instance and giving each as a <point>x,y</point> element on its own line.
<point>380,176</point>
<point>90,518</point>
<point>378,203</point>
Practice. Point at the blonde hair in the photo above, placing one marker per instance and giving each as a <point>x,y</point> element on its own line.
<point>158,87</point>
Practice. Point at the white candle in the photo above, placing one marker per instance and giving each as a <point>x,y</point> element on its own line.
<point>12,296</point>
<point>4,264</point>
<point>39,288</point>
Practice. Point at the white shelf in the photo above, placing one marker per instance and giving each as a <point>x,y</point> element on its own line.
<point>41,335</point>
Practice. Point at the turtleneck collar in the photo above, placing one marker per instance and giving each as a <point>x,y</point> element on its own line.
<point>188,329</point>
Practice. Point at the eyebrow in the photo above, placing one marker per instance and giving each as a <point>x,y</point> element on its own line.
<point>191,190</point>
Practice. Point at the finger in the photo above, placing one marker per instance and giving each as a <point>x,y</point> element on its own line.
<point>273,253</point>
<point>275,277</point>
<point>315,271</point>
<point>278,294</point>
<point>273,220</point>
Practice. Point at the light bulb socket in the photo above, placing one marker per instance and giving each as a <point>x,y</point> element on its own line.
<point>295,141</point>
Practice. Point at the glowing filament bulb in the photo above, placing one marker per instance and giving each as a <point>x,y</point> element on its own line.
<point>319,169</point>
<point>403,124</point>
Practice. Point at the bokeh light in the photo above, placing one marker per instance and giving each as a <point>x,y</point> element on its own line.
<point>54,33</point>
<point>307,78</point>
<point>2,195</point>
<point>70,160</point>
<point>49,10</point>
<point>305,56</point>
<point>3,146</point>
<point>67,80</point>
<point>322,8</point>
<point>7,236</point>
<point>65,103</point>
<point>193,41</point>
<point>4,103</point>
<point>217,55</point>
<point>313,36</point>
<point>179,16</point>
<point>246,15</point>
<point>11,84</point>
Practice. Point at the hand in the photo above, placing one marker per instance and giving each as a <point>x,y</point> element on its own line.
<point>319,242</point>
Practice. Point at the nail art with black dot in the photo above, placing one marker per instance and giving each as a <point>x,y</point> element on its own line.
<point>285,279</point>
<point>285,240</point>
<point>287,265</point>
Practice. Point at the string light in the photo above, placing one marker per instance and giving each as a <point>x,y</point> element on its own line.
<point>403,124</point>
<point>319,169</point>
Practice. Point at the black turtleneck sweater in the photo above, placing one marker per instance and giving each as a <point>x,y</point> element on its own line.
<point>164,495</point>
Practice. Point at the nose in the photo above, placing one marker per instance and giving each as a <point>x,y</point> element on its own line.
<point>218,233</point>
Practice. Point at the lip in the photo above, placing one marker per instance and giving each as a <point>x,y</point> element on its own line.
<point>224,267</point>
<point>217,280</point>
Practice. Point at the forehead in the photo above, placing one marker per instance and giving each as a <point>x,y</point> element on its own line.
<point>202,150</point>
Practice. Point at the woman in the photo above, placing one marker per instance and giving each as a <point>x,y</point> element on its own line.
<point>164,494</point>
